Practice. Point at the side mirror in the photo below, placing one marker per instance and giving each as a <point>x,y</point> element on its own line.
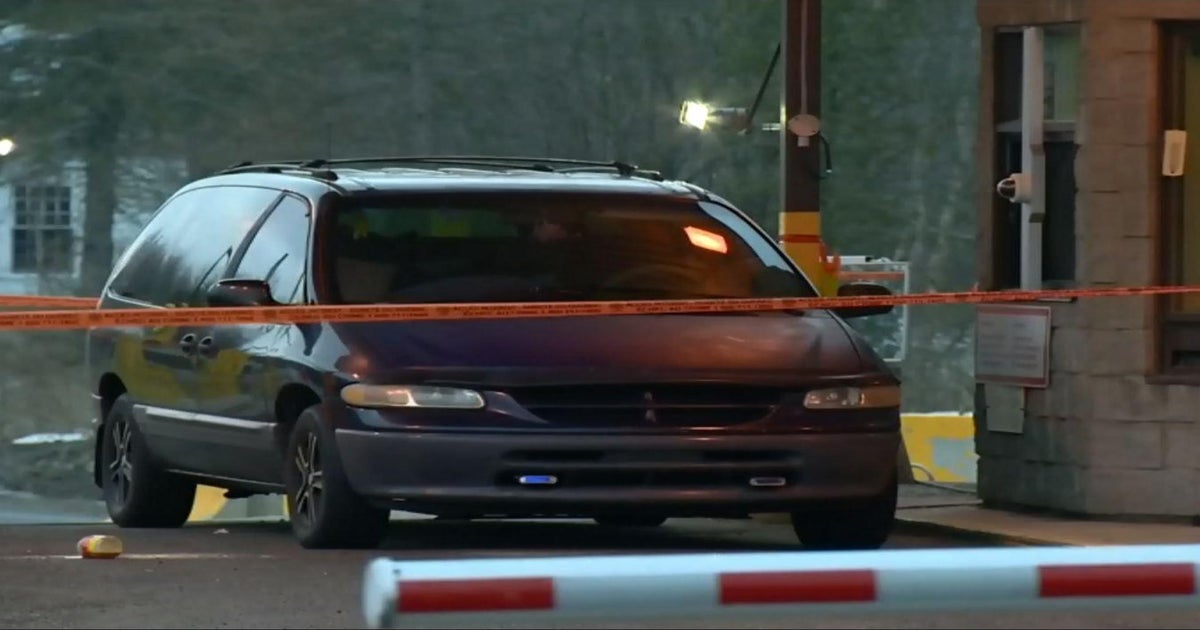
<point>240,293</point>
<point>863,289</point>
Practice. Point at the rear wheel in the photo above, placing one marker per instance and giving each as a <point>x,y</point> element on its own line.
<point>325,511</point>
<point>136,492</point>
<point>861,525</point>
<point>631,520</point>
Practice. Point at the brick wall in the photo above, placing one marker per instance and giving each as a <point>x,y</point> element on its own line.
<point>1100,440</point>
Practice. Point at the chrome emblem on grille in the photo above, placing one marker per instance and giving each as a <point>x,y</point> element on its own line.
<point>651,417</point>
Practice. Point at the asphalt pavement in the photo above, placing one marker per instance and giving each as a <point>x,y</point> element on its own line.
<point>255,576</point>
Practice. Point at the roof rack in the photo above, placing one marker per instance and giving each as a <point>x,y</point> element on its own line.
<point>654,175</point>
<point>514,162</point>
<point>322,168</point>
<point>280,167</point>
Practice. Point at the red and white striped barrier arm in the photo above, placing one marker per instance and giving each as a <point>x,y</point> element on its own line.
<point>421,594</point>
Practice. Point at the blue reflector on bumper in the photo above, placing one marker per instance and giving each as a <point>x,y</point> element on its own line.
<point>537,480</point>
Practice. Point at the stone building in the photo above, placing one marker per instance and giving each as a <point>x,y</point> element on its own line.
<point>1090,406</point>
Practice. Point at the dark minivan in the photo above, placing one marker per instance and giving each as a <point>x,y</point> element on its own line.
<point>627,420</point>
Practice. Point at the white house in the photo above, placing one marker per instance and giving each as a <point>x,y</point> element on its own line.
<point>42,217</point>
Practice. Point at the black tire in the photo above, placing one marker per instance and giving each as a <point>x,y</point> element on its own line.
<point>325,512</point>
<point>857,526</point>
<point>631,520</point>
<point>137,493</point>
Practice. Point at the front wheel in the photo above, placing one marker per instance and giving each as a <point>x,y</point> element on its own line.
<point>864,525</point>
<point>136,492</point>
<point>325,511</point>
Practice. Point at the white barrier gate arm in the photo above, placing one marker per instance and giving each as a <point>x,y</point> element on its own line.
<point>420,594</point>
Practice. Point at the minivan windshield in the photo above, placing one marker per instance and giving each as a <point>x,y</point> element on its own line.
<point>466,247</point>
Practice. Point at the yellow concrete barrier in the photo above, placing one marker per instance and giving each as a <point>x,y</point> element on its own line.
<point>208,503</point>
<point>211,505</point>
<point>941,446</point>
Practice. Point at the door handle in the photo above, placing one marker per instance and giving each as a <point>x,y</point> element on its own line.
<point>207,347</point>
<point>187,343</point>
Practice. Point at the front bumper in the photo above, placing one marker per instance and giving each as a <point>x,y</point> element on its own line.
<point>676,475</point>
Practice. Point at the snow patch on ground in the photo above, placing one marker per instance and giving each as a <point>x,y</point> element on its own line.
<point>50,438</point>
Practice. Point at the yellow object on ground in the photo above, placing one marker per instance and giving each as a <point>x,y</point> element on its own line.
<point>100,547</point>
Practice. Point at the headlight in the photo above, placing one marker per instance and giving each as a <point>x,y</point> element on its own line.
<point>416,396</point>
<point>873,397</point>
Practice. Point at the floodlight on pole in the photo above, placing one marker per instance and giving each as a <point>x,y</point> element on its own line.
<point>703,116</point>
<point>694,114</point>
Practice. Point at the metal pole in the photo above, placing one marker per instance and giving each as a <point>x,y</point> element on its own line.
<point>800,219</point>
<point>1033,158</point>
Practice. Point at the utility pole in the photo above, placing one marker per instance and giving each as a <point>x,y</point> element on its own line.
<point>800,155</point>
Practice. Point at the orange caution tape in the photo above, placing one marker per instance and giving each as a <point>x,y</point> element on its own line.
<point>192,316</point>
<point>47,301</point>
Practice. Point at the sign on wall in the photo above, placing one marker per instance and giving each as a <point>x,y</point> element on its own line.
<point>1012,345</point>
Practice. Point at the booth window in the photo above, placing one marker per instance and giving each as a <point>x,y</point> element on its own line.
<point>1179,315</point>
<point>1061,52</point>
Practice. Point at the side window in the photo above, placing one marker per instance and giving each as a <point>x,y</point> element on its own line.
<point>278,252</point>
<point>140,270</point>
<point>189,243</point>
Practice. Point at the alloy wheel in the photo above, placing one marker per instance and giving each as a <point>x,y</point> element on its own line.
<point>120,468</point>
<point>312,484</point>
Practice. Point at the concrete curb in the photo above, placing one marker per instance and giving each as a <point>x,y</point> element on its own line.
<point>912,525</point>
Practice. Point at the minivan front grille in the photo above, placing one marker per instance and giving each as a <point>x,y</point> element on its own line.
<point>648,407</point>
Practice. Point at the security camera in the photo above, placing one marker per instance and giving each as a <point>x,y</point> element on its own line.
<point>1007,188</point>
<point>1016,188</point>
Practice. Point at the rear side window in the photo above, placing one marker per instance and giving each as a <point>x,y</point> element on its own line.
<point>277,254</point>
<point>189,244</point>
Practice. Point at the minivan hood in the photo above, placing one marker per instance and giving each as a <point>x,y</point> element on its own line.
<point>643,348</point>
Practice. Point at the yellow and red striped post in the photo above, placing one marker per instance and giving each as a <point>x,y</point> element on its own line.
<point>800,233</point>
